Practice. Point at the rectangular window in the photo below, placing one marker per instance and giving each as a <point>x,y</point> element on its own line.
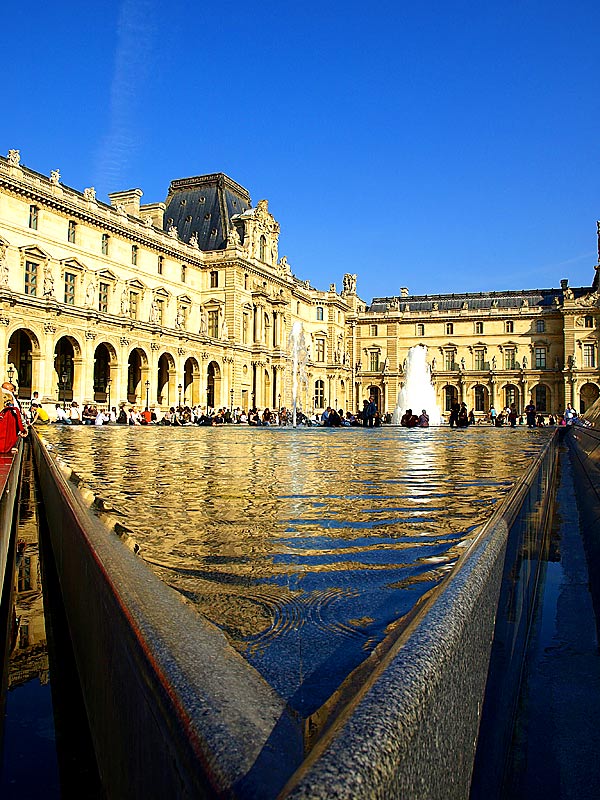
<point>509,359</point>
<point>449,359</point>
<point>183,273</point>
<point>479,327</point>
<point>213,324</point>
<point>589,322</point>
<point>71,231</point>
<point>31,275</point>
<point>33,217</point>
<point>320,350</point>
<point>509,326</point>
<point>245,327</point>
<point>420,329</point>
<point>134,254</point>
<point>540,358</point>
<point>103,297</point>
<point>160,310</point>
<point>319,313</point>
<point>479,359</point>
<point>105,238</point>
<point>69,288</point>
<point>214,279</point>
<point>449,328</point>
<point>374,362</point>
<point>373,330</point>
<point>540,326</point>
<point>161,263</point>
<point>133,305</point>
<point>589,356</point>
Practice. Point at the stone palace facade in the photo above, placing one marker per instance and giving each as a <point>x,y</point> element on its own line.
<point>188,302</point>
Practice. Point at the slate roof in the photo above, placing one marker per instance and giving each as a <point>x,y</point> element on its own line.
<point>204,205</point>
<point>509,300</point>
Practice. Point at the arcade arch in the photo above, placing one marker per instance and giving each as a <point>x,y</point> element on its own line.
<point>213,385</point>
<point>67,366</point>
<point>105,358</point>
<point>23,359</point>
<point>191,382</point>
<point>166,389</point>
<point>137,367</point>
<point>588,394</point>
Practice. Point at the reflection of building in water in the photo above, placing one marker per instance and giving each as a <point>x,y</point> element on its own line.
<point>29,658</point>
<point>189,298</point>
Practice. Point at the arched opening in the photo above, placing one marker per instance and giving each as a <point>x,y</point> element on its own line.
<point>512,395</point>
<point>19,368</point>
<point>262,249</point>
<point>101,373</point>
<point>191,382</point>
<point>588,395</point>
<point>136,362</point>
<point>319,396</point>
<point>267,389</point>
<point>64,354</point>
<point>213,385</point>
<point>450,397</point>
<point>481,398</point>
<point>165,381</point>
<point>541,398</point>
<point>375,393</point>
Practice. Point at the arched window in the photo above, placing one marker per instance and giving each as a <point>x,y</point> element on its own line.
<point>540,326</point>
<point>541,398</point>
<point>480,398</point>
<point>319,313</point>
<point>319,399</point>
<point>451,396</point>
<point>449,328</point>
<point>262,248</point>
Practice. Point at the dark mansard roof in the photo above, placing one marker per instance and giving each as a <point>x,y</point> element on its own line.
<point>204,205</point>
<point>509,300</point>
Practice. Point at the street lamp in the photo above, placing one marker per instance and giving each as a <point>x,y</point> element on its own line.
<point>279,402</point>
<point>180,387</point>
<point>63,380</point>
<point>231,393</point>
<point>11,372</point>
<point>108,392</point>
<point>148,393</point>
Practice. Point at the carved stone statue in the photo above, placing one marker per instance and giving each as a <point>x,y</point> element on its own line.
<point>55,177</point>
<point>3,266</point>
<point>435,306</point>
<point>349,284</point>
<point>224,330</point>
<point>89,194</point>
<point>194,240</point>
<point>284,266</point>
<point>233,237</point>
<point>203,323</point>
<point>172,231</point>
<point>148,221</point>
<point>568,293</point>
<point>463,363</point>
<point>48,282</point>
<point>125,302</point>
<point>14,158</point>
<point>524,362</point>
<point>153,318</point>
<point>180,317</point>
<point>90,293</point>
<point>494,362</point>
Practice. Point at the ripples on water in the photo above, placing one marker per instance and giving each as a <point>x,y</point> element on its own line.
<point>304,545</point>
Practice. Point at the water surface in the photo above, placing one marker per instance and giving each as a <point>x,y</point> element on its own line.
<point>303,545</point>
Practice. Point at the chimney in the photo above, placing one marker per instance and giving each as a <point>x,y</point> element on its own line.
<point>156,212</point>
<point>564,283</point>
<point>129,199</point>
<point>404,291</point>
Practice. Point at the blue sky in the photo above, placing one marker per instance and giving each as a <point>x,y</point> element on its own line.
<point>443,146</point>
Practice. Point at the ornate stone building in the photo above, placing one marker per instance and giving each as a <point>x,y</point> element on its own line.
<point>188,301</point>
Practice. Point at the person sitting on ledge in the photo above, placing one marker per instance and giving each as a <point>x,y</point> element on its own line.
<point>409,420</point>
<point>424,419</point>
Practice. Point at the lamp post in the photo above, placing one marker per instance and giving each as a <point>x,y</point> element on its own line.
<point>63,380</point>
<point>231,394</point>
<point>10,372</point>
<point>108,393</point>
<point>279,402</point>
<point>179,388</point>
<point>148,393</point>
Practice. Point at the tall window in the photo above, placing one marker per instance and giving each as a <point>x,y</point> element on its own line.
<point>541,398</point>
<point>262,248</point>
<point>33,217</point>
<point>589,356</point>
<point>71,231</point>
<point>133,304</point>
<point>319,394</point>
<point>134,254</point>
<point>449,362</point>
<point>213,324</point>
<point>509,358</point>
<point>319,313</point>
<point>245,327</point>
<point>540,357</point>
<point>320,350</point>
<point>69,288</point>
<point>373,330</point>
<point>160,264</point>
<point>509,326</point>
<point>588,321</point>
<point>479,398</point>
<point>510,396</point>
<point>214,279</point>
<point>105,238</point>
<point>31,276</point>
<point>183,273</point>
<point>103,297</point>
<point>160,310</point>
<point>449,328</point>
<point>374,362</point>
<point>540,326</point>
<point>480,359</point>
<point>479,327</point>
<point>420,329</point>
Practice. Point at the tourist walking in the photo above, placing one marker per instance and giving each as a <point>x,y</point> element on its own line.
<point>530,414</point>
<point>570,414</point>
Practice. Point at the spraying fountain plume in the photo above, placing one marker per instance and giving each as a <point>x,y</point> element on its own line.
<point>298,357</point>
<point>418,391</point>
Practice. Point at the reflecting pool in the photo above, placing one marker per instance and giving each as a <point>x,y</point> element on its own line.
<point>305,546</point>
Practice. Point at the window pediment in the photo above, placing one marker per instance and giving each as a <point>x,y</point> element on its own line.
<point>34,252</point>
<point>183,298</point>
<point>106,275</point>
<point>162,293</point>
<point>136,284</point>
<point>72,264</point>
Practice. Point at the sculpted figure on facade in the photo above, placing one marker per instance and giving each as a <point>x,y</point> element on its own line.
<point>14,158</point>
<point>224,330</point>
<point>153,318</point>
<point>194,240</point>
<point>48,282</point>
<point>203,323</point>
<point>89,194</point>
<point>524,362</point>
<point>494,362</point>
<point>172,231</point>
<point>233,237</point>
<point>125,302</point>
<point>55,177</point>
<point>284,266</point>
<point>148,221</point>
<point>3,265</point>
<point>568,293</point>
<point>90,294</point>
<point>179,317</point>
<point>349,284</point>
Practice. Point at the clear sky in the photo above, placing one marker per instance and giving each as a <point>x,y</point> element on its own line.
<point>443,146</point>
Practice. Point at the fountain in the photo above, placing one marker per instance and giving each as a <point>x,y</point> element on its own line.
<point>298,356</point>
<point>418,392</point>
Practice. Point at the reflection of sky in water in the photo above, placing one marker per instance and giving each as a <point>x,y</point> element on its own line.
<point>302,545</point>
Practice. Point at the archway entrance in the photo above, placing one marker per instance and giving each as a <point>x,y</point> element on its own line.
<point>20,348</point>
<point>135,363</point>
<point>213,385</point>
<point>450,397</point>
<point>512,395</point>
<point>64,367</point>
<point>101,373</point>
<point>165,381</point>
<point>191,382</point>
<point>588,395</point>
<point>481,398</point>
<point>373,391</point>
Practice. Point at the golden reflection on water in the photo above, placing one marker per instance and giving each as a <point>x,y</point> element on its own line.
<point>303,545</point>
